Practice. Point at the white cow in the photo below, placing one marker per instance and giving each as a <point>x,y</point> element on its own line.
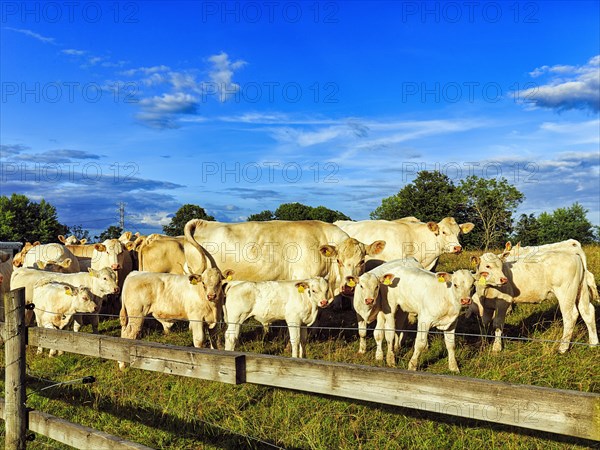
<point>570,246</point>
<point>100,282</point>
<point>532,281</point>
<point>45,253</point>
<point>297,302</point>
<point>172,297</point>
<point>57,303</point>
<point>283,250</point>
<point>409,238</point>
<point>71,240</point>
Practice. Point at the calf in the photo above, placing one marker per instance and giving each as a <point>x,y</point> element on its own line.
<point>99,282</point>
<point>172,297</point>
<point>532,280</point>
<point>57,303</point>
<point>296,302</point>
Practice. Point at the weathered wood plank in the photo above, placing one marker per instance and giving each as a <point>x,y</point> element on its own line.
<point>77,436</point>
<point>215,365</point>
<point>570,413</point>
<point>14,372</point>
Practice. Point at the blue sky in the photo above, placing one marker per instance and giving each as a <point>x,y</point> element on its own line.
<point>241,106</point>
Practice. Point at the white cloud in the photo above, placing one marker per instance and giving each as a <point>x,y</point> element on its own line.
<point>221,75</point>
<point>570,87</point>
<point>73,52</point>
<point>39,37</point>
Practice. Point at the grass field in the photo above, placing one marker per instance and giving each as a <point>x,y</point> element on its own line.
<point>170,412</point>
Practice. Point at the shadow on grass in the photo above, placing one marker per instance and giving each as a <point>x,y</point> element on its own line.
<point>201,432</point>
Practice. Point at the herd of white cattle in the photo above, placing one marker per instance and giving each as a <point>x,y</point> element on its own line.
<point>288,270</point>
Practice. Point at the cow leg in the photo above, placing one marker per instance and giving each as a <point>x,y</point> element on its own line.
<point>134,325</point>
<point>390,337</point>
<point>294,330</point>
<point>197,327</point>
<point>401,317</point>
<point>420,344</point>
<point>502,307</point>
<point>303,339</point>
<point>95,320</point>
<point>234,326</point>
<point>449,336</point>
<point>569,314</point>
<point>362,334</point>
<point>588,314</point>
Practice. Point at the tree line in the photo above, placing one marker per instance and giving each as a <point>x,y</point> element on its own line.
<point>489,203</point>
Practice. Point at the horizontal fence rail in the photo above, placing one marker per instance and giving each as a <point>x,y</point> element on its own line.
<point>557,411</point>
<point>75,435</point>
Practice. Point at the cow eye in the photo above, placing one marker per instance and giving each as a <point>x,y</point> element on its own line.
<point>339,262</point>
<point>361,262</point>
<point>488,267</point>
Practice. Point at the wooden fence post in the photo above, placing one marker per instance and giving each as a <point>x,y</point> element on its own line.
<point>15,341</point>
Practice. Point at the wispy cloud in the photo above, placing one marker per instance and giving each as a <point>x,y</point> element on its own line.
<point>221,75</point>
<point>73,52</point>
<point>161,111</point>
<point>569,87</point>
<point>39,37</point>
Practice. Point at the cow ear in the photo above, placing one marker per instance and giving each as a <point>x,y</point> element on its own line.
<point>130,245</point>
<point>100,247</point>
<point>351,281</point>
<point>466,227</point>
<point>228,274</point>
<point>475,260</point>
<point>82,241</point>
<point>61,238</point>
<point>375,248</point>
<point>65,263</point>
<point>443,277</point>
<point>301,286</point>
<point>387,279</point>
<point>68,290</point>
<point>433,227</point>
<point>36,243</point>
<point>504,255</point>
<point>195,279</point>
<point>92,272</point>
<point>41,264</point>
<point>327,250</point>
<point>507,246</point>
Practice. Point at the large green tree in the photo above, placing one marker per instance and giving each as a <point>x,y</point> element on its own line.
<point>112,232</point>
<point>298,211</point>
<point>527,230</point>
<point>23,220</point>
<point>183,215</point>
<point>431,196</point>
<point>565,223</point>
<point>489,204</point>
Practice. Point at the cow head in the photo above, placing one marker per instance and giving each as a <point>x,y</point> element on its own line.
<point>110,253</point>
<point>446,234</point>
<point>488,269</point>
<point>104,281</point>
<point>212,281</point>
<point>461,282</point>
<point>350,260</point>
<point>83,299</point>
<point>317,289</point>
<point>366,291</point>
<point>71,240</point>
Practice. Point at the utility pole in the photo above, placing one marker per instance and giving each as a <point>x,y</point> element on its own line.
<point>122,215</point>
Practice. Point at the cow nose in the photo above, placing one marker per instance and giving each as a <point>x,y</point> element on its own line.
<point>369,301</point>
<point>465,301</point>
<point>503,280</point>
<point>457,249</point>
<point>211,296</point>
<point>116,290</point>
<point>323,303</point>
<point>115,266</point>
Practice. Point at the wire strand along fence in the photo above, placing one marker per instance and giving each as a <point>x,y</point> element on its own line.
<point>571,413</point>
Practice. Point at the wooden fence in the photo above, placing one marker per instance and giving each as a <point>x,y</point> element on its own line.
<point>563,412</point>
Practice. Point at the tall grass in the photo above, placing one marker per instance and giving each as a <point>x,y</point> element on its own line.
<point>169,412</point>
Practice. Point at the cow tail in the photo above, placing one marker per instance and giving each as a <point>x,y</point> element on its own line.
<point>188,231</point>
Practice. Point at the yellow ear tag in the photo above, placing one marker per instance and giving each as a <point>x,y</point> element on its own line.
<point>69,292</point>
<point>193,281</point>
<point>301,289</point>
<point>327,252</point>
<point>351,283</point>
<point>441,279</point>
<point>387,281</point>
<point>508,246</point>
<point>481,281</point>
<point>229,278</point>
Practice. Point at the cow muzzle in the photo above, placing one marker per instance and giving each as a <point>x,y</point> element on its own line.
<point>324,303</point>
<point>369,301</point>
<point>115,266</point>
<point>465,301</point>
<point>457,250</point>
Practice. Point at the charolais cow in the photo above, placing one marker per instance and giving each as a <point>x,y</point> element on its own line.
<point>409,238</point>
<point>297,302</point>
<point>532,280</point>
<point>570,246</point>
<point>100,282</point>
<point>57,303</point>
<point>71,240</point>
<point>44,253</point>
<point>284,250</point>
<point>172,297</point>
